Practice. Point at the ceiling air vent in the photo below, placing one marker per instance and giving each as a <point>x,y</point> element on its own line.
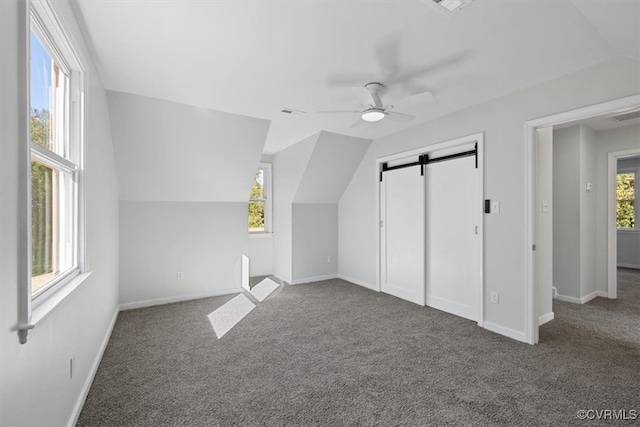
<point>627,115</point>
<point>452,6</point>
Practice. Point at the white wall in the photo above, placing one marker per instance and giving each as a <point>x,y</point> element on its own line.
<point>544,239</point>
<point>185,174</point>
<point>204,240</point>
<point>260,255</point>
<point>314,171</point>
<point>502,120</point>
<point>566,214</point>
<point>588,213</point>
<point>607,141</point>
<point>288,167</point>
<point>628,245</point>
<point>315,238</point>
<point>35,388</point>
<point>575,215</point>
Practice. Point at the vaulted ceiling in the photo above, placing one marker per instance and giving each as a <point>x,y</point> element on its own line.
<point>254,57</point>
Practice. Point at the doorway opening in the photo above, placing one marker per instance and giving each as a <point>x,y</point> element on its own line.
<point>537,206</point>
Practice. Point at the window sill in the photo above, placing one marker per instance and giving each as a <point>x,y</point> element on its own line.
<point>628,231</point>
<point>49,306</point>
<point>260,235</point>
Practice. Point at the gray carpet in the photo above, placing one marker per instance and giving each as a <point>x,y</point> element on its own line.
<point>334,354</point>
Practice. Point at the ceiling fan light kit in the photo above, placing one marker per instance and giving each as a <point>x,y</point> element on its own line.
<point>372,115</point>
<point>377,110</point>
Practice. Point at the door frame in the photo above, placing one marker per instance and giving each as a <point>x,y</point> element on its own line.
<point>444,145</point>
<point>612,237</point>
<point>531,327</point>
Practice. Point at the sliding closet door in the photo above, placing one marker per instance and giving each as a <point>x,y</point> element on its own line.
<point>452,245</point>
<point>402,234</point>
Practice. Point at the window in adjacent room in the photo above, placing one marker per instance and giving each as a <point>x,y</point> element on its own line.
<point>55,141</point>
<point>626,200</point>
<point>260,201</point>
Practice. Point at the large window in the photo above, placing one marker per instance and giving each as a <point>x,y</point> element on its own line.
<point>627,200</point>
<point>55,143</point>
<point>260,201</point>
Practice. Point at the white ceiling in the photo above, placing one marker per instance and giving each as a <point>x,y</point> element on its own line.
<point>256,57</point>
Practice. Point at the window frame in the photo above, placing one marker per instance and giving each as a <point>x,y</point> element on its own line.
<point>268,199</point>
<point>636,199</point>
<point>39,17</point>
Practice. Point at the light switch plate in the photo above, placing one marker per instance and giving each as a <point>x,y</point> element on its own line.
<point>495,207</point>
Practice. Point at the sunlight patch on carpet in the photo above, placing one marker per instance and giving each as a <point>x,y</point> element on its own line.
<point>264,289</point>
<point>228,315</point>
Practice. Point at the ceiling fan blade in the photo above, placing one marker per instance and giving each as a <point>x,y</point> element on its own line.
<point>357,123</point>
<point>399,117</point>
<point>338,112</point>
<point>388,56</point>
<point>420,98</point>
<point>349,80</point>
<point>403,77</point>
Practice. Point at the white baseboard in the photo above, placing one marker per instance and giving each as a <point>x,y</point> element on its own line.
<point>509,333</point>
<point>357,282</point>
<point>545,318</point>
<point>77,409</point>
<point>583,300</point>
<point>314,279</point>
<point>625,265</point>
<point>179,298</point>
<point>283,281</point>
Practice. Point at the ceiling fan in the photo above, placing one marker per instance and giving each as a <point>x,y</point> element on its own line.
<point>377,110</point>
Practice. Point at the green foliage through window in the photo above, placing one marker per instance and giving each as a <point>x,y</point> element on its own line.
<point>41,199</point>
<point>257,203</point>
<point>625,200</point>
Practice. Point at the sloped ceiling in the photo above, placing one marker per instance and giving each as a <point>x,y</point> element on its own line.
<point>255,57</point>
<point>167,151</point>
<point>333,162</point>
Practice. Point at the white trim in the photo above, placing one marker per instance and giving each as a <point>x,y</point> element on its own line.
<point>358,282</point>
<point>625,265</point>
<point>530,127</point>
<point>282,281</point>
<point>43,18</point>
<point>509,333</point>
<point>583,300</point>
<point>565,298</point>
<point>77,409</point>
<point>257,235</point>
<point>314,279</point>
<point>179,298</point>
<point>545,318</point>
<point>612,229</point>
<point>444,145</point>
<point>24,170</point>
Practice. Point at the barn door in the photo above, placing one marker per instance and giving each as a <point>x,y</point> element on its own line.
<point>402,233</point>
<point>452,242</point>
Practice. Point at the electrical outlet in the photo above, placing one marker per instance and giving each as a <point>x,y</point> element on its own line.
<point>72,367</point>
<point>329,259</point>
<point>180,275</point>
<point>495,297</point>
